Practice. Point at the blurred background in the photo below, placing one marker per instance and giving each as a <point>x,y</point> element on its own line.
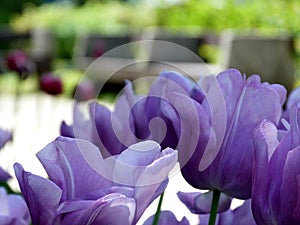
<point>46,46</point>
<point>64,36</point>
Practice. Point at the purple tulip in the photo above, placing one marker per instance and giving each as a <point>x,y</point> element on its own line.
<point>51,84</point>
<point>275,194</point>
<point>200,203</point>
<point>167,218</point>
<point>238,216</point>
<point>5,136</point>
<point>215,147</point>
<point>211,124</point>
<point>13,209</point>
<point>85,188</point>
<point>134,118</point>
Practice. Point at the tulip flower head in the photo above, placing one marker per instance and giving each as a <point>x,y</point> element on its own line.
<point>84,188</point>
<point>275,194</point>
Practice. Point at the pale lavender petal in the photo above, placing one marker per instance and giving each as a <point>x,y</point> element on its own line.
<point>121,122</point>
<point>293,98</point>
<point>41,195</point>
<point>281,92</point>
<point>18,208</point>
<point>194,130</point>
<point>215,103</point>
<point>112,209</point>
<point>148,168</point>
<point>126,191</point>
<point>134,161</point>
<point>153,180</point>
<point>167,218</point>
<point>69,162</point>
<point>200,203</point>
<point>170,81</point>
<point>194,135</point>
<point>265,143</point>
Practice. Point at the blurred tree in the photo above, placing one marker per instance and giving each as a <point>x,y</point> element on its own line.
<point>9,7</point>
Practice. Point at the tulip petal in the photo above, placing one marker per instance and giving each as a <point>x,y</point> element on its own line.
<point>69,162</point>
<point>102,211</point>
<point>170,81</point>
<point>66,130</point>
<point>217,109</point>
<point>35,189</point>
<point>107,128</point>
<point>167,218</point>
<point>4,176</point>
<point>265,142</point>
<point>289,192</point>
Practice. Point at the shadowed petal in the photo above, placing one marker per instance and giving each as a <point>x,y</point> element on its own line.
<point>200,203</point>
<point>4,176</point>
<point>167,218</point>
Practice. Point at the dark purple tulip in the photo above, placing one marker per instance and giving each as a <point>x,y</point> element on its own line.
<point>200,203</point>
<point>242,215</point>
<point>18,61</point>
<point>215,146</point>
<point>275,195</point>
<point>167,218</point>
<point>51,84</point>
<point>85,188</point>
<point>13,209</point>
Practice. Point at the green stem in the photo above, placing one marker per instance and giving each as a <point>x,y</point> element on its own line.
<point>7,187</point>
<point>214,207</point>
<point>157,214</point>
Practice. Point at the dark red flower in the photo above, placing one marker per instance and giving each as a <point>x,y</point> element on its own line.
<point>51,84</point>
<point>19,62</point>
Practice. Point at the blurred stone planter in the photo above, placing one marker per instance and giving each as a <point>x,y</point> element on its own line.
<point>150,53</point>
<point>270,57</point>
<point>43,49</point>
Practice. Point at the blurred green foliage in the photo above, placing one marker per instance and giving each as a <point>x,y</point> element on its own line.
<point>9,7</point>
<point>117,17</point>
<point>268,15</point>
<point>67,21</point>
